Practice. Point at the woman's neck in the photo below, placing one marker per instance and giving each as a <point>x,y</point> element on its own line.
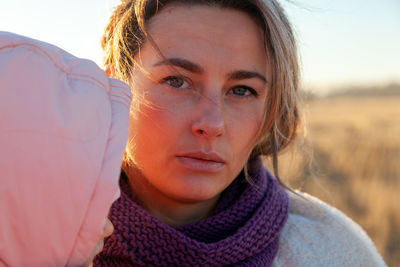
<point>170,211</point>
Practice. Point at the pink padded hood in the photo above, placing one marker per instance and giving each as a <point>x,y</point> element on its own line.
<point>63,130</point>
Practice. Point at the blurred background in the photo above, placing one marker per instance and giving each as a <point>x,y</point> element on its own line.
<point>350,56</point>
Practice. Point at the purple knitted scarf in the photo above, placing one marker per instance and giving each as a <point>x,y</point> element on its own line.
<point>242,231</point>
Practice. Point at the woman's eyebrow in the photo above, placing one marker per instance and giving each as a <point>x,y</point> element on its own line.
<point>182,63</point>
<point>244,74</point>
<point>193,67</point>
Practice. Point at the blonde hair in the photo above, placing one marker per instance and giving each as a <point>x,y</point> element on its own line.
<point>126,33</point>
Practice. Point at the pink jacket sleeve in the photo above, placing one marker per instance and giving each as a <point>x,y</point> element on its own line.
<point>63,130</point>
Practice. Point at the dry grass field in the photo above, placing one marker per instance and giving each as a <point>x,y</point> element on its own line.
<point>355,163</point>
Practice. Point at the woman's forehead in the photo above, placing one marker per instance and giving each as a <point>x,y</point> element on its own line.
<point>205,34</point>
<point>212,19</point>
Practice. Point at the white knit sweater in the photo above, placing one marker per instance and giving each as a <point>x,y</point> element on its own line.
<point>317,234</point>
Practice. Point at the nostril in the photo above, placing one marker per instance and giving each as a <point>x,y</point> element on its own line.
<point>209,123</point>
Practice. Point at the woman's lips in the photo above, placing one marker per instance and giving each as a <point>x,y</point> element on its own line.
<point>200,161</point>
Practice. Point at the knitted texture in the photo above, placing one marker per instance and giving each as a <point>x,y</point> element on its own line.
<point>242,231</point>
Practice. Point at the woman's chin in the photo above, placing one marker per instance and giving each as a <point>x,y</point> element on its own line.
<point>193,190</point>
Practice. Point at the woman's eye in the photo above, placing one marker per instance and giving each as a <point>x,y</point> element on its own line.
<point>175,81</point>
<point>243,91</point>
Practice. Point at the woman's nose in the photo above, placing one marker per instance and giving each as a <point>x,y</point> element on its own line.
<point>209,121</point>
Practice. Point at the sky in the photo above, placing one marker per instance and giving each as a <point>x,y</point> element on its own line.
<point>341,42</point>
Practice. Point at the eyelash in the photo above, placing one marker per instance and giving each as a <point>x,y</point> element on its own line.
<point>248,89</point>
<point>182,80</point>
<point>167,80</point>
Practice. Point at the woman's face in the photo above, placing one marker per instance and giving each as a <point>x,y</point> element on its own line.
<point>193,133</point>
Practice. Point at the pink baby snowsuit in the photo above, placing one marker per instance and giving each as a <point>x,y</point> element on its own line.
<point>63,130</point>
